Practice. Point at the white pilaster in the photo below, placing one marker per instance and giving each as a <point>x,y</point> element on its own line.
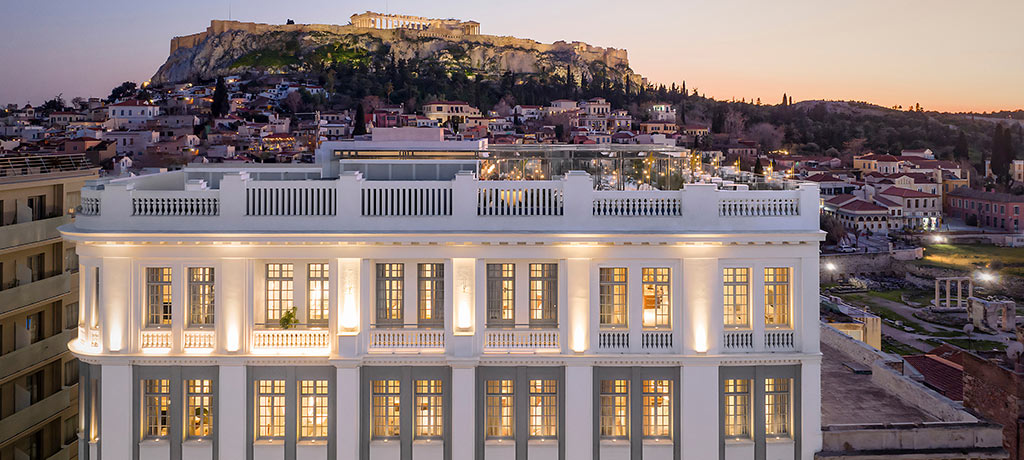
<point>702,323</point>
<point>810,406</point>
<point>115,300</point>
<point>463,413</point>
<point>579,404</point>
<point>231,439</point>
<point>577,281</point>
<point>347,424</point>
<point>700,408</point>
<point>116,419</point>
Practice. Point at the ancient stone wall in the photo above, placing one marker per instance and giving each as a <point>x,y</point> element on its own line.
<point>996,393</point>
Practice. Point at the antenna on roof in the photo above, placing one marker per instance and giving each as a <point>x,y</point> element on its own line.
<point>229,10</point>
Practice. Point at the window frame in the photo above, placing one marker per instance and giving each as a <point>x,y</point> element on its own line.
<point>729,308</point>
<point>318,315</point>
<point>612,389</point>
<point>208,311</point>
<point>285,291</point>
<point>501,294</point>
<point>430,279</point>
<point>499,397</point>
<point>159,296</point>
<point>650,390</point>
<point>391,396</point>
<point>742,399</point>
<point>786,305</point>
<point>432,391</point>
<point>543,294</point>
<point>773,393</point>
<point>156,407</point>
<point>205,395</point>
<point>276,394</point>
<point>608,306</point>
<point>319,395</point>
<point>662,319</point>
<point>389,294</point>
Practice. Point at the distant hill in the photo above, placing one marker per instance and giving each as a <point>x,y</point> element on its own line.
<point>230,47</point>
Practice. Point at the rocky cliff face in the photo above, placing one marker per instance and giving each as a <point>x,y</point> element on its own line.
<point>230,47</point>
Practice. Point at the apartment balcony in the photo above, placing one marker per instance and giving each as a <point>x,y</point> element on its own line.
<point>465,204</point>
<point>31,232</point>
<point>35,415</point>
<point>405,339</point>
<point>37,291</point>
<point>30,355</point>
<point>68,452</point>
<point>522,339</point>
<point>645,341</point>
<point>294,341</point>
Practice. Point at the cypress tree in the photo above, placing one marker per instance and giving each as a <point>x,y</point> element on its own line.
<point>359,121</point>
<point>1000,162</point>
<point>220,99</point>
<point>961,151</point>
<point>758,169</point>
<point>785,101</point>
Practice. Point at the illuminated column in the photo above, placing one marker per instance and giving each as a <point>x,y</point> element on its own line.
<point>463,299</point>
<point>230,315</point>
<point>806,322</point>
<point>700,390</point>
<point>115,286</point>
<point>702,318</point>
<point>463,411</point>
<point>349,312</point>
<point>116,411</point>
<point>577,282</point>
<point>231,394</point>
<point>347,426</point>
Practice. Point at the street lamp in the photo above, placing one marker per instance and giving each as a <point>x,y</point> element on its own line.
<point>986,277</point>
<point>830,267</point>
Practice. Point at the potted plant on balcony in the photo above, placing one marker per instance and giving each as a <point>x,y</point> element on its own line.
<point>288,319</point>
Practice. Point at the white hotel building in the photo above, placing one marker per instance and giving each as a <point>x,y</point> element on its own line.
<point>434,320</point>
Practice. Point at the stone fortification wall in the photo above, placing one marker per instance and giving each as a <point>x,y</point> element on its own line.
<point>612,57</point>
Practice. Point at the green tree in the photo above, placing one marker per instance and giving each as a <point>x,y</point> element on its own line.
<point>220,99</point>
<point>758,169</point>
<point>124,90</point>
<point>359,121</point>
<point>54,105</point>
<point>1000,154</point>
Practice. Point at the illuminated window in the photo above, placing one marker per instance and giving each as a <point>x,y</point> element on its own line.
<point>279,290</point>
<point>737,408</point>
<point>318,282</point>
<point>544,293</point>
<point>736,289</point>
<point>776,407</point>
<point>199,412</point>
<point>429,409</point>
<point>776,296</point>
<point>614,409</point>
<point>270,409</point>
<point>158,296</point>
<point>313,409</point>
<point>431,295</point>
<point>613,296</point>
<point>499,421</point>
<point>386,402</point>
<point>657,307</point>
<point>390,284</point>
<point>543,408</point>
<point>200,295</point>
<point>156,400</point>
<point>501,294</point>
<point>657,416</point>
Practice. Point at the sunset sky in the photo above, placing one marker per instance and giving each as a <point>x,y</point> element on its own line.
<point>946,55</point>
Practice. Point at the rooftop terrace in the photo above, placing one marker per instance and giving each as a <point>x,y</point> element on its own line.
<point>297,198</point>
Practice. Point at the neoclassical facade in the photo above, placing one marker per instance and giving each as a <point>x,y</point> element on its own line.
<point>271,313</point>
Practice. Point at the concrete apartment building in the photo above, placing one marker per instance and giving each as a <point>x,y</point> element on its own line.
<point>276,312</point>
<point>38,306</point>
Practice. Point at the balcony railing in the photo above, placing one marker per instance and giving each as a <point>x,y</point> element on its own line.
<point>36,291</point>
<point>203,339</point>
<point>35,353</point>
<point>31,232</point>
<point>613,340</point>
<point>23,420</point>
<point>656,340</point>
<point>155,339</point>
<point>313,340</point>
<point>779,340</point>
<point>521,340</point>
<point>384,340</point>
<point>738,340</point>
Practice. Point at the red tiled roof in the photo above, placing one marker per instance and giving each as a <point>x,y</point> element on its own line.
<point>886,202</point>
<point>941,374</point>
<point>824,178</point>
<point>863,206</point>
<point>982,195</point>
<point>906,193</point>
<point>840,199</point>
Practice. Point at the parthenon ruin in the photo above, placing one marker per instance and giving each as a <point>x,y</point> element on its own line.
<point>373,20</point>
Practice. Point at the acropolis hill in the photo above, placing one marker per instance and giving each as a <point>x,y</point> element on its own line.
<point>230,47</point>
